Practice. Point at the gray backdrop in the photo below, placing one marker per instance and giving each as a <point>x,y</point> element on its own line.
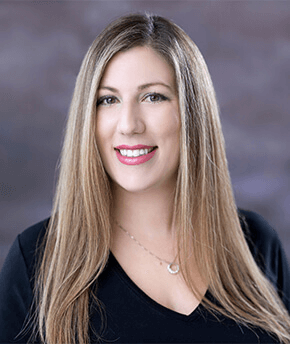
<point>246,45</point>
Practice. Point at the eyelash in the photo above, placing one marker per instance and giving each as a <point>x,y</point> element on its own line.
<point>101,101</point>
<point>155,94</point>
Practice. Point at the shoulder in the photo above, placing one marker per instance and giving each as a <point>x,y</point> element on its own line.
<point>257,230</point>
<point>262,239</point>
<point>268,252</point>
<point>30,242</point>
<point>30,236</point>
<point>17,282</point>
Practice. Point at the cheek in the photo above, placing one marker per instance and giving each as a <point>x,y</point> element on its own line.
<point>104,130</point>
<point>169,134</point>
<point>171,127</point>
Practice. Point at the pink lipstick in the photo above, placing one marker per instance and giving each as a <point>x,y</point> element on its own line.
<point>134,147</point>
<point>135,155</point>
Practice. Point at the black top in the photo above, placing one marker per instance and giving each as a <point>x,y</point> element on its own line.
<point>131,315</point>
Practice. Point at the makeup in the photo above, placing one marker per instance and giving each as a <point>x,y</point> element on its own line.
<point>135,155</point>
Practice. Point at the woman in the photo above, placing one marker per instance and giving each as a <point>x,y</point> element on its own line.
<point>145,243</point>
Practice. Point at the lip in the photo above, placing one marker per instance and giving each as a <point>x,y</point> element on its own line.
<point>134,147</point>
<point>135,160</point>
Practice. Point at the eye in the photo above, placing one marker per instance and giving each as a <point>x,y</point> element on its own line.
<point>106,100</point>
<point>154,98</point>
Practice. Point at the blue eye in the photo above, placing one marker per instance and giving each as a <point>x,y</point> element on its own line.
<point>155,97</point>
<point>106,100</point>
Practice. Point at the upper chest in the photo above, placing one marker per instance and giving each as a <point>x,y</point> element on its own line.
<point>130,315</point>
<point>152,277</point>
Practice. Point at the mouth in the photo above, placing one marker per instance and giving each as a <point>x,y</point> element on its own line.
<point>135,155</point>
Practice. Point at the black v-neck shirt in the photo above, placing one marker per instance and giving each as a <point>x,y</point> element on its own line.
<point>129,315</point>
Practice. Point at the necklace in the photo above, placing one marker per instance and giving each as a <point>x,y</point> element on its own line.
<point>172,268</point>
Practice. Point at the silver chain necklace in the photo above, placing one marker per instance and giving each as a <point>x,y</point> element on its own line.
<point>172,268</point>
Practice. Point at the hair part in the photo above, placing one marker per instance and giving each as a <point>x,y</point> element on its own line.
<point>77,242</point>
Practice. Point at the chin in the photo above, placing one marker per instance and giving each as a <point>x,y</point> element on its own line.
<point>140,185</point>
<point>133,187</point>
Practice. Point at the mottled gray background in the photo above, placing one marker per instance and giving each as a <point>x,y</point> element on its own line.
<point>246,45</point>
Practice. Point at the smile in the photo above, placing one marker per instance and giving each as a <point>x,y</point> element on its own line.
<point>137,155</point>
<point>136,152</point>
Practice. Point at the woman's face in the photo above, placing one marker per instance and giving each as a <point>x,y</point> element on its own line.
<point>138,121</point>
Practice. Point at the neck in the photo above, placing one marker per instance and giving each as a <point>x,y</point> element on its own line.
<point>148,214</point>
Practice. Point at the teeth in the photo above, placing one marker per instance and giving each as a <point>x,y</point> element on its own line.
<point>135,153</point>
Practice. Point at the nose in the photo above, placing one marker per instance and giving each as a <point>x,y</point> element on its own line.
<point>130,120</point>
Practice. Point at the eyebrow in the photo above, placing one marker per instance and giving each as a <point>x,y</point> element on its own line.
<point>143,87</point>
<point>140,88</point>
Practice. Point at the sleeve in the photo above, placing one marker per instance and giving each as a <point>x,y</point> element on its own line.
<point>15,297</point>
<point>269,254</point>
<point>277,270</point>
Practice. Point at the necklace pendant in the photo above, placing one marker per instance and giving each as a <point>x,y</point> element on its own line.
<point>173,268</point>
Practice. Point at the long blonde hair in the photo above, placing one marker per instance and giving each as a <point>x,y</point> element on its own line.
<point>77,242</point>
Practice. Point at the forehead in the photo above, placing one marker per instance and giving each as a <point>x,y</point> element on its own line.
<point>137,66</point>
